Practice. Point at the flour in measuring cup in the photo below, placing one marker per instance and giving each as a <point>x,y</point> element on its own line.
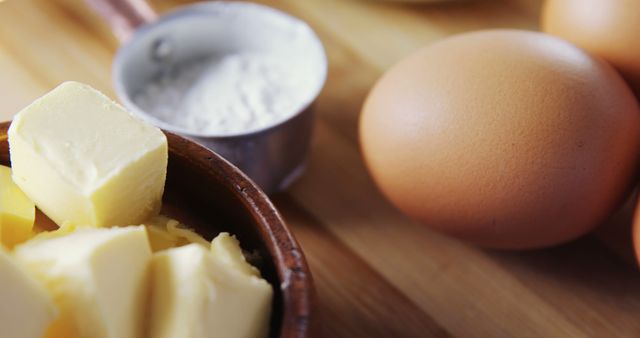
<point>225,95</point>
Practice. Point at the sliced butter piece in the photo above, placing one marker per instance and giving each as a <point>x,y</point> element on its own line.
<point>226,249</point>
<point>17,211</point>
<point>83,159</point>
<point>199,294</point>
<point>26,310</point>
<point>165,233</point>
<point>98,278</point>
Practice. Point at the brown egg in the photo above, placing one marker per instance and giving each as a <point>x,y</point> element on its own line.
<point>635,227</point>
<point>606,28</point>
<point>504,138</point>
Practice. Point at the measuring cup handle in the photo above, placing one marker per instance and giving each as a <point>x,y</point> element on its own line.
<point>124,16</point>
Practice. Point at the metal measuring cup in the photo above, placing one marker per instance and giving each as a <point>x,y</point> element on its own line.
<point>274,156</point>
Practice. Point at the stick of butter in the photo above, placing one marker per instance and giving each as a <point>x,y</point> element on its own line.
<point>25,307</point>
<point>197,293</point>
<point>17,211</point>
<point>98,278</point>
<point>84,159</point>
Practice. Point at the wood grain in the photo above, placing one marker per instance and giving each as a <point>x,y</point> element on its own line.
<point>338,283</point>
<point>378,273</point>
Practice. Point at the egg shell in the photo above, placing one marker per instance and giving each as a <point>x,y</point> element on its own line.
<point>607,28</point>
<point>504,138</point>
<point>636,229</point>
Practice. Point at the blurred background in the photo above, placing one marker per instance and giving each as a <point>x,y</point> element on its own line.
<point>46,41</point>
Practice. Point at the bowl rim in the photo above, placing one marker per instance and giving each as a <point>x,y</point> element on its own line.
<point>296,282</point>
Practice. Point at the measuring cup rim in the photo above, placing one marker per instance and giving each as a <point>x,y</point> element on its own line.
<point>201,9</point>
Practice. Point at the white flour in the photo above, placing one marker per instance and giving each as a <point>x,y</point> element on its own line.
<point>226,95</point>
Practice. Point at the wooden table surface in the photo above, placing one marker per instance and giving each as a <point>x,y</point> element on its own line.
<point>378,274</point>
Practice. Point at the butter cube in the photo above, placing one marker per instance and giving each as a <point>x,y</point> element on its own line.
<point>200,293</point>
<point>83,159</point>
<point>25,307</point>
<point>98,278</point>
<point>17,211</point>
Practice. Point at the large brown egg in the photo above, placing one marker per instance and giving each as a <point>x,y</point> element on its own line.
<point>606,28</point>
<point>507,139</point>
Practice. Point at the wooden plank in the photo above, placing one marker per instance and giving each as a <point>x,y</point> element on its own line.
<point>349,72</point>
<point>340,275</point>
<point>53,47</point>
<point>378,273</point>
<point>451,281</point>
<point>349,63</point>
<point>383,32</point>
<point>584,280</point>
<point>17,86</point>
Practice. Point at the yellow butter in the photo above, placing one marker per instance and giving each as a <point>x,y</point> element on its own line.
<point>160,239</point>
<point>17,211</point>
<point>26,310</point>
<point>185,235</point>
<point>98,278</point>
<point>83,159</point>
<point>201,293</point>
<point>165,233</point>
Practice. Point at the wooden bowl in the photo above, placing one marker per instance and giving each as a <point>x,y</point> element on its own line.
<point>209,194</point>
